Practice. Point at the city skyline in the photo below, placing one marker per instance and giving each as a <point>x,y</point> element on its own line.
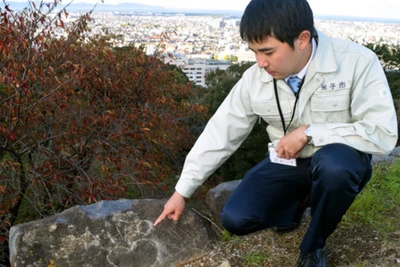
<point>386,9</point>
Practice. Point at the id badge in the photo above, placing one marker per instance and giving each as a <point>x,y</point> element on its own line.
<point>275,159</point>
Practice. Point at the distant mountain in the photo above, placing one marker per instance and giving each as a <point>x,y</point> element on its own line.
<point>140,8</point>
<point>126,7</point>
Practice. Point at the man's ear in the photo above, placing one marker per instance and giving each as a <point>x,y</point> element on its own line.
<point>304,39</point>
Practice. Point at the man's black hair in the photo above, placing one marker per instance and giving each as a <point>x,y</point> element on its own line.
<point>282,19</point>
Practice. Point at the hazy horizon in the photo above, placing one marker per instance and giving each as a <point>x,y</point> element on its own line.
<point>384,9</point>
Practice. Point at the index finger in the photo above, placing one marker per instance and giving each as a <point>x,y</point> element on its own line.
<point>160,218</point>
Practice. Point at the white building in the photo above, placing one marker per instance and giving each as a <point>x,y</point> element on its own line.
<point>196,69</point>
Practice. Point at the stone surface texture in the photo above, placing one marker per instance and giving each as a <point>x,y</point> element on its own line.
<point>109,233</point>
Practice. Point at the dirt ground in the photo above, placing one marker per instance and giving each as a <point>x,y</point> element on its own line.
<point>349,246</point>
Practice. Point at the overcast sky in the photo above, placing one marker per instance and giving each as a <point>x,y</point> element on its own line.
<point>358,8</point>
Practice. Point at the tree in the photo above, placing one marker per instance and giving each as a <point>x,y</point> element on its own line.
<point>81,121</point>
<point>389,55</point>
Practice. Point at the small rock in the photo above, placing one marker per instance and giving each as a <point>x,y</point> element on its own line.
<point>225,264</point>
<point>217,196</point>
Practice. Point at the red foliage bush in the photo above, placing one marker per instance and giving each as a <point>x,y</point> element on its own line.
<point>81,121</point>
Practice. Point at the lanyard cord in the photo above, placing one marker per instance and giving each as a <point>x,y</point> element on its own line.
<point>279,105</point>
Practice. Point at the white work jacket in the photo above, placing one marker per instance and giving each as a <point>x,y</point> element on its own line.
<point>345,99</point>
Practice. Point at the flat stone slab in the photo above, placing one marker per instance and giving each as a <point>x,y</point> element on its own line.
<point>109,233</point>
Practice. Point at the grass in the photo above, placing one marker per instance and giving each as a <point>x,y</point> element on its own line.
<point>255,258</point>
<point>380,199</point>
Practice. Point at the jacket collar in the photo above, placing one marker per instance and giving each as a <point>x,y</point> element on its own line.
<point>324,59</point>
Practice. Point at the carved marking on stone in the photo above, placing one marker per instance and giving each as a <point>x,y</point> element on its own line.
<point>134,233</point>
<point>95,241</point>
<point>111,238</point>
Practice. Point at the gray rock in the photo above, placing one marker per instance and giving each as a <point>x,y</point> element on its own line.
<point>109,233</point>
<point>216,198</point>
<point>386,158</point>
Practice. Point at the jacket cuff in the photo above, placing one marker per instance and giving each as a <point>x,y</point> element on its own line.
<point>184,188</point>
<point>320,134</point>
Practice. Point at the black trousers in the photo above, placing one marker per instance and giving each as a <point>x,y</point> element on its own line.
<point>270,194</point>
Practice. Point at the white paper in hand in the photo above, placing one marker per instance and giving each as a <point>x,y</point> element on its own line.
<point>275,159</point>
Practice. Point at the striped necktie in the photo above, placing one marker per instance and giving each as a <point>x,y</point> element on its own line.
<point>294,82</point>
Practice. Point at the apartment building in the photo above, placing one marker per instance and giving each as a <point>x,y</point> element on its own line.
<point>196,69</point>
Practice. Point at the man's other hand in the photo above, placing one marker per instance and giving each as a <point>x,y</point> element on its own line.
<point>292,143</point>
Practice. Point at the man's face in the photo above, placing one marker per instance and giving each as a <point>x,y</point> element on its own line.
<point>279,59</point>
